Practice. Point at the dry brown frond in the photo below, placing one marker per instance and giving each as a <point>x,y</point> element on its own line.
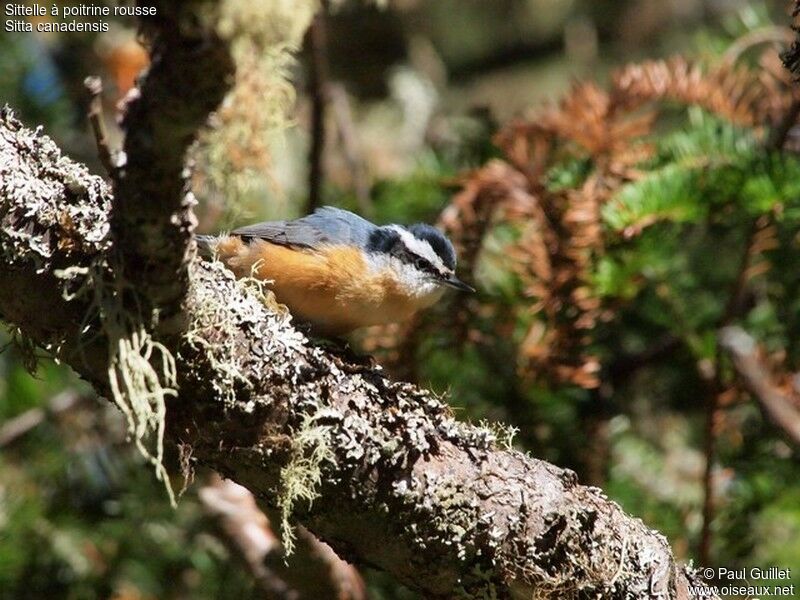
<point>588,117</point>
<point>554,263</point>
<point>733,92</point>
<point>560,232</point>
<point>487,194</point>
<point>528,146</point>
<point>764,239</point>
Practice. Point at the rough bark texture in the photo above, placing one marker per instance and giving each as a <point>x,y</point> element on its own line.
<point>190,72</point>
<point>395,480</point>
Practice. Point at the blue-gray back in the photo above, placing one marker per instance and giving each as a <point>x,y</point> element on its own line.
<point>326,226</point>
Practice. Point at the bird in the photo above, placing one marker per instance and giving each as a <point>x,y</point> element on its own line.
<point>338,272</point>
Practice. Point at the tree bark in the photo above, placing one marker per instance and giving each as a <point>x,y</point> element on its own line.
<point>396,481</point>
<point>190,71</point>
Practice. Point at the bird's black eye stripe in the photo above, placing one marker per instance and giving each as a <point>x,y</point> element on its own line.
<point>424,265</point>
<point>438,243</point>
<point>419,262</point>
<point>385,240</point>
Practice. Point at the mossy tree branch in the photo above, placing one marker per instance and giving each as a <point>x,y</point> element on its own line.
<point>191,70</point>
<point>395,480</point>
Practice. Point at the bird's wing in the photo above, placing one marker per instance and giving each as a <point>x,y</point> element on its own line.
<point>326,226</point>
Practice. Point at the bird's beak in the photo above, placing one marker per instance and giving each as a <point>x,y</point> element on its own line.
<point>455,282</point>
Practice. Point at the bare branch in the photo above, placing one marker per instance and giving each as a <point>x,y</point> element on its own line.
<point>340,105</point>
<point>317,39</point>
<point>16,428</point>
<point>777,405</point>
<point>94,86</point>
<point>314,571</point>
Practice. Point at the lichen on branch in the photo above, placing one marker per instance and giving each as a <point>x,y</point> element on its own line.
<point>402,486</point>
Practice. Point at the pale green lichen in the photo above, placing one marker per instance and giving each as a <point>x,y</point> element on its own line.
<point>210,315</point>
<point>503,433</point>
<point>141,371</point>
<point>301,477</point>
<point>234,159</point>
<point>214,325</point>
<point>218,314</point>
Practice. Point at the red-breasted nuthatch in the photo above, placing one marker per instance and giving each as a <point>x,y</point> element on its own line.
<point>338,272</point>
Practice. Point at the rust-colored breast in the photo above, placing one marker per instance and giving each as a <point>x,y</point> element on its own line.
<point>331,288</point>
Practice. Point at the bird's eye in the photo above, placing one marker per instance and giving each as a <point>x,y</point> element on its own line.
<point>421,264</point>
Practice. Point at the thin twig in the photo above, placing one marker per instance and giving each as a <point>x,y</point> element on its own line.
<point>351,147</point>
<point>780,36</point>
<point>317,89</point>
<point>14,429</point>
<point>756,377</point>
<point>316,571</point>
<point>94,86</point>
<point>738,294</point>
<point>712,417</point>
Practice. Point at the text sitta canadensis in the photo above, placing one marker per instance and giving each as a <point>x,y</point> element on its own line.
<point>338,272</point>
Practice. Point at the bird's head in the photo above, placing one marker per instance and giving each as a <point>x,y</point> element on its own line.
<point>420,255</point>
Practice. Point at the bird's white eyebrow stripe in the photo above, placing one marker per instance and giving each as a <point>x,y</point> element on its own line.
<point>420,247</point>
